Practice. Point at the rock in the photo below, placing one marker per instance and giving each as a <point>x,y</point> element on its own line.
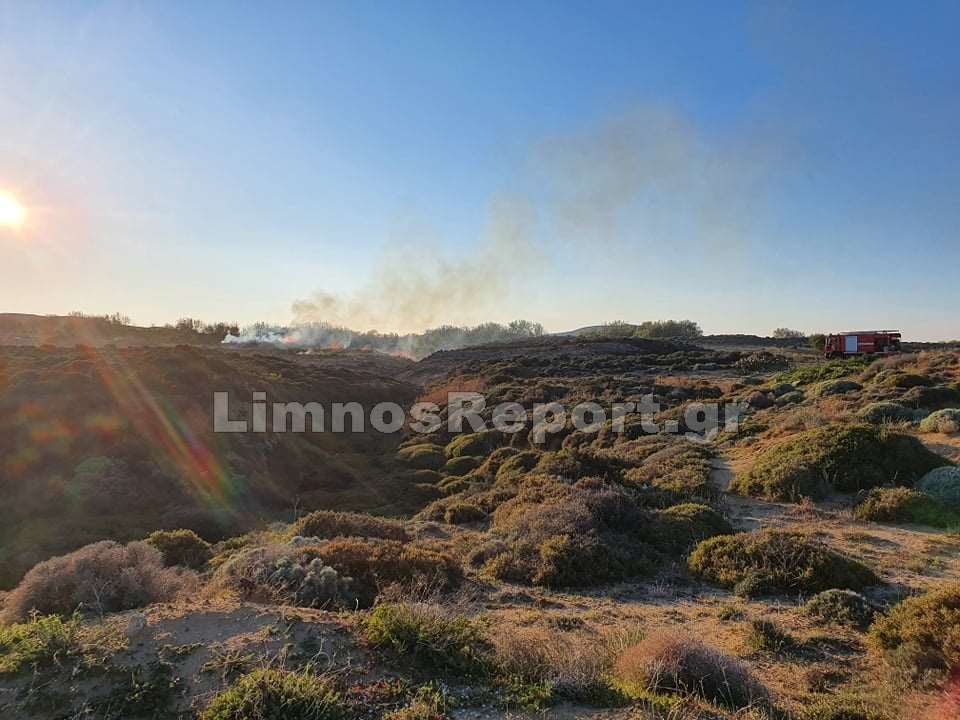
<point>759,401</point>
<point>136,624</point>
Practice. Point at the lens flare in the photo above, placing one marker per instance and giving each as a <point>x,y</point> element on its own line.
<point>12,213</point>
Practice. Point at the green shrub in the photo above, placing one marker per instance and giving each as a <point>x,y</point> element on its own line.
<point>463,512</point>
<point>429,478</point>
<point>677,467</point>
<point>278,695</point>
<point>40,641</point>
<point>921,635</point>
<point>841,607</point>
<point>932,398</point>
<point>766,636</point>
<point>678,528</point>
<point>774,560</point>
<point>902,505</point>
<point>558,534</point>
<point>845,708</point>
<point>886,412</point>
<point>435,640</point>
<point>462,465</point>
<point>517,466</point>
<point>475,444</point>
<point>561,463</point>
<point>835,387</point>
<point>844,458</point>
<point>329,524</point>
<point>943,485</point>
<point>905,381</point>
<point>425,456</point>
<point>941,421</point>
<point>807,374</point>
<point>674,663</point>
<point>568,561</point>
<point>181,547</point>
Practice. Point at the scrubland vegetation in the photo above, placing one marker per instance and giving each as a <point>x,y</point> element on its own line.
<point>803,568</point>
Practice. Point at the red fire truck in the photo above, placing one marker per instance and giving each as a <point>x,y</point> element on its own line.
<point>862,342</point>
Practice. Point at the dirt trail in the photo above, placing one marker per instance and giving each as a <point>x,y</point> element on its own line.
<point>745,513</point>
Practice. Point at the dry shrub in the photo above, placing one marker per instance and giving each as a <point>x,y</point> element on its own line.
<point>676,663</point>
<point>102,577</point>
<point>575,666</point>
<point>328,524</point>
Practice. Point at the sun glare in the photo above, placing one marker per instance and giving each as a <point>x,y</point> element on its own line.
<point>12,213</point>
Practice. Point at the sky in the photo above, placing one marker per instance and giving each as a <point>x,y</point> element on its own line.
<point>402,165</point>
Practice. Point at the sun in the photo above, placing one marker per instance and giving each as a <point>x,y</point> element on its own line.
<point>12,213</point>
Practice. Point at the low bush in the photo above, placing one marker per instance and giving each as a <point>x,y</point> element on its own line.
<point>181,547</point>
<point>102,577</point>
<point>275,694</point>
<point>841,607</point>
<point>677,467</point>
<point>564,664</point>
<point>768,561</point>
<point>517,466</point>
<point>328,524</point>
<point>462,465</point>
<point>474,444</point>
<point>766,636</point>
<point>886,412</point>
<point>434,639</point>
<point>843,458</point>
<point>680,527</point>
<point>835,387</point>
<point>845,708</point>
<point>581,534</point>
<point>921,635</point>
<point>347,572</point>
<point>905,381</point>
<point>942,421</point>
<point>425,456</point>
<point>40,641</point>
<point>808,374</point>
<point>674,663</point>
<point>285,574</point>
<point>903,505</point>
<point>762,361</point>
<point>932,398</point>
<point>943,485</point>
<point>463,512</point>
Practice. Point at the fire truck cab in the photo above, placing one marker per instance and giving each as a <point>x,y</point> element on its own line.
<point>862,342</point>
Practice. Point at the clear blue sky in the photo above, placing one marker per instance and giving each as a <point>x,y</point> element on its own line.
<point>744,165</point>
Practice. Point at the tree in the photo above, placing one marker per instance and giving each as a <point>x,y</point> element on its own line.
<point>818,341</point>
<point>669,329</point>
<point>786,333</point>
